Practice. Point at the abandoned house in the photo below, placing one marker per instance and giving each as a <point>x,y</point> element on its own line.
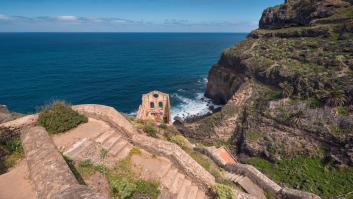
<point>155,106</point>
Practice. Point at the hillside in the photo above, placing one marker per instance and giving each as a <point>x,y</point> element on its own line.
<point>287,92</point>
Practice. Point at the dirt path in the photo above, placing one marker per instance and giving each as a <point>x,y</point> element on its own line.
<point>16,184</point>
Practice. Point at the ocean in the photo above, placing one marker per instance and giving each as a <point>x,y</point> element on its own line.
<point>113,69</point>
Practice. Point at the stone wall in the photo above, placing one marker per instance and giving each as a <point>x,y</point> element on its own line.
<point>48,170</point>
<point>153,145</point>
<point>20,122</point>
<point>179,156</point>
<point>257,177</point>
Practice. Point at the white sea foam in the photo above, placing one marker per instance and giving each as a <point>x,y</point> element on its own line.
<point>191,107</point>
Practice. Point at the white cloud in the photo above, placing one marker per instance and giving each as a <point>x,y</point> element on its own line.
<point>4,17</point>
<point>67,18</point>
<point>119,21</point>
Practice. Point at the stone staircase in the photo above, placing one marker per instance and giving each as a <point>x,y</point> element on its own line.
<point>174,183</point>
<point>246,184</point>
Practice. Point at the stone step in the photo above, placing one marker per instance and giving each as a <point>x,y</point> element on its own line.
<point>191,192</point>
<point>77,148</point>
<point>109,143</point>
<point>182,191</point>
<point>178,182</point>
<point>105,136</point>
<point>124,152</point>
<point>200,194</point>
<point>168,179</point>
<point>165,194</point>
<point>239,179</point>
<point>164,168</point>
<point>118,146</point>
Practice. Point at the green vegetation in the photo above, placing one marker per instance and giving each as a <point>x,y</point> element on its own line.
<point>253,136</point>
<point>199,158</point>
<point>149,129</point>
<point>180,140</point>
<point>207,124</point>
<point>273,95</point>
<point>343,110</point>
<point>122,180</point>
<point>59,117</point>
<point>223,191</point>
<point>13,152</point>
<point>163,126</point>
<point>103,153</point>
<point>309,174</point>
<point>313,102</point>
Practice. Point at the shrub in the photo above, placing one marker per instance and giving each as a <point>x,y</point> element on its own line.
<point>150,130</point>
<point>121,187</point>
<point>163,126</point>
<point>223,191</point>
<point>59,117</point>
<point>343,110</point>
<point>180,140</point>
<point>103,153</point>
<point>11,152</point>
<point>313,102</point>
<point>148,188</point>
<point>253,136</point>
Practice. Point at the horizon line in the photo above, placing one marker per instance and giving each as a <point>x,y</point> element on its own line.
<point>113,32</point>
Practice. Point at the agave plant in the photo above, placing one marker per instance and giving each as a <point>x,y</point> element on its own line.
<point>333,97</point>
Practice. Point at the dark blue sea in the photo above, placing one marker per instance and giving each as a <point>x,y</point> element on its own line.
<point>114,69</point>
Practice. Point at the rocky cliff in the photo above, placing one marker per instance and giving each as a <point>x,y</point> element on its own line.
<point>287,91</point>
<point>287,88</point>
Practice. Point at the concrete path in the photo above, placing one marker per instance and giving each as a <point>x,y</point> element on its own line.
<point>16,184</point>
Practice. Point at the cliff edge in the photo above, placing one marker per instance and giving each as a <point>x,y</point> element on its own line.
<point>287,89</point>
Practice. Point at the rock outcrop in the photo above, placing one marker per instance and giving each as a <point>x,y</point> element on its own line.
<point>299,13</point>
<point>6,115</point>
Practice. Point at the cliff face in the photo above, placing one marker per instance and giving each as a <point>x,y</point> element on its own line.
<point>287,88</point>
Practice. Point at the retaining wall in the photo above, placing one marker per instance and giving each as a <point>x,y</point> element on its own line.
<point>48,170</point>
<point>259,178</point>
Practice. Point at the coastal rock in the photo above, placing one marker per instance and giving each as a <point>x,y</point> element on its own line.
<point>299,13</point>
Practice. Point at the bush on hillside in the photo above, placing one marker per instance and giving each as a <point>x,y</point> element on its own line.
<point>149,129</point>
<point>223,191</point>
<point>59,117</point>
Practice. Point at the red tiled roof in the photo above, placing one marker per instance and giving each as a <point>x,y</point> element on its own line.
<point>225,156</point>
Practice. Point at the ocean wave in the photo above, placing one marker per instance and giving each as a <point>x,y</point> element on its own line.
<point>197,106</point>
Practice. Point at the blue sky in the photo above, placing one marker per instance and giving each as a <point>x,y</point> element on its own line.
<point>131,15</point>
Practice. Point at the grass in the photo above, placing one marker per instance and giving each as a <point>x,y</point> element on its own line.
<point>13,151</point>
<point>253,136</point>
<point>309,174</point>
<point>123,182</point>
<point>59,117</point>
<point>180,140</point>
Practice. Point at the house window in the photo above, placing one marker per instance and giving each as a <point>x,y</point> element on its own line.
<point>155,95</point>
<point>151,104</point>
<point>160,105</point>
